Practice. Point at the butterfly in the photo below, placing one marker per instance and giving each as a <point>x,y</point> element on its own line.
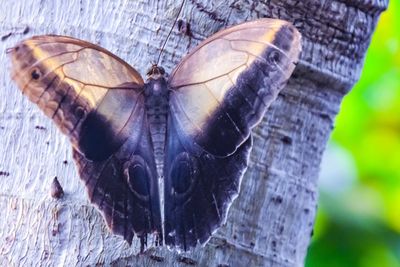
<point>165,156</point>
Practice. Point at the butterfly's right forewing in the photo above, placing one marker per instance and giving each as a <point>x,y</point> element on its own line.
<point>222,89</point>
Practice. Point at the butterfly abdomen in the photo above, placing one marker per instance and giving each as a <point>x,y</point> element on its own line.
<point>157,111</point>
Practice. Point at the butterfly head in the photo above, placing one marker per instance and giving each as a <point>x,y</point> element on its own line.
<point>156,81</point>
<point>155,72</point>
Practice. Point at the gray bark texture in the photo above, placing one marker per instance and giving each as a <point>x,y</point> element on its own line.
<point>270,223</point>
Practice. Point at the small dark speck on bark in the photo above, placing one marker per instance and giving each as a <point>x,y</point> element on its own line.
<point>3,173</point>
<point>184,28</point>
<point>65,162</point>
<point>324,116</point>
<point>56,190</point>
<point>287,140</point>
<point>223,265</point>
<point>277,199</point>
<point>26,30</point>
<point>40,127</point>
<point>5,37</point>
<point>55,230</point>
<point>45,254</point>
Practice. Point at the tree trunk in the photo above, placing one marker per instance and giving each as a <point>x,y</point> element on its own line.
<point>270,223</point>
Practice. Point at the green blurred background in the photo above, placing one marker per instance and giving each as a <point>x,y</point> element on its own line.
<point>358,220</point>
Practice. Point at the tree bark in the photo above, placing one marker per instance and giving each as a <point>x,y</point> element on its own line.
<point>270,223</point>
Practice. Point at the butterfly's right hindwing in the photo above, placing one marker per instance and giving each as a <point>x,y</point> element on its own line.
<point>199,188</point>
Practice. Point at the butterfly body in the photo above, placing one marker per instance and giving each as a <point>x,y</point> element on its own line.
<point>189,133</point>
<point>156,94</point>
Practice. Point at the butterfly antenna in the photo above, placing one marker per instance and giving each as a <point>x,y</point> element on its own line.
<point>170,31</point>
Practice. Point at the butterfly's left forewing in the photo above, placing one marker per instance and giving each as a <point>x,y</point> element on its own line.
<point>219,92</point>
<point>97,100</point>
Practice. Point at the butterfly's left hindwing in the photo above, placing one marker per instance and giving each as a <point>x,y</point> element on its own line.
<point>219,92</point>
<point>97,100</point>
